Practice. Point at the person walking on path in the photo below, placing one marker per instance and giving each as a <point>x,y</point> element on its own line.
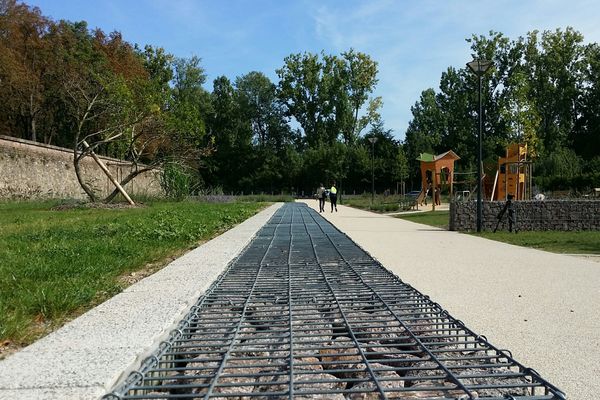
<point>333,197</point>
<point>321,195</point>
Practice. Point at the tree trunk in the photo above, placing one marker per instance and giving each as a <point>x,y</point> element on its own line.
<point>33,129</point>
<point>88,190</point>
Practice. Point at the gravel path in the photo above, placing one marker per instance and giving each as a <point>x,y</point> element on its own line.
<point>544,307</point>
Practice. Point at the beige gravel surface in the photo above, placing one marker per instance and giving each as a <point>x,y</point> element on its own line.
<point>544,307</point>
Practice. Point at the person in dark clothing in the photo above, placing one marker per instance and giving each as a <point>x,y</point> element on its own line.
<point>321,195</point>
<point>333,197</point>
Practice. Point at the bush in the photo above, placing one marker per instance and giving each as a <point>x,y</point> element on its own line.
<point>579,183</point>
<point>177,181</point>
<point>266,198</point>
<point>560,162</point>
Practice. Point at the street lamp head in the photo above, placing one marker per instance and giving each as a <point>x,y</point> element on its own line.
<point>373,140</point>
<point>479,67</point>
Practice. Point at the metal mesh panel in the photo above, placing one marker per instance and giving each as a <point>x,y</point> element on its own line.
<point>305,313</point>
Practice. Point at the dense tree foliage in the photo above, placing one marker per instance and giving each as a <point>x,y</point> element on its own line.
<point>326,93</point>
<point>90,91</point>
<point>543,91</point>
<point>64,84</point>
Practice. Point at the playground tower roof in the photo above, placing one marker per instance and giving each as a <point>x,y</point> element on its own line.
<point>449,155</point>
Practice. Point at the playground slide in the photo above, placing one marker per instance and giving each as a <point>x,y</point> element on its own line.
<point>495,185</point>
<point>421,197</point>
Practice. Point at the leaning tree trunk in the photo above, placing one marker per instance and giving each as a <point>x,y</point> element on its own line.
<point>86,188</point>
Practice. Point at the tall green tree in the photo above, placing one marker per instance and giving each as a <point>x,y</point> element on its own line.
<point>272,135</point>
<point>301,91</point>
<point>361,72</point>
<point>586,135</point>
<point>231,134</point>
<point>425,129</point>
<point>326,93</point>
<point>554,60</point>
<point>259,103</point>
<point>190,103</point>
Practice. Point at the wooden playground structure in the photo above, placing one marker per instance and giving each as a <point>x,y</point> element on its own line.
<point>513,177</point>
<point>437,172</point>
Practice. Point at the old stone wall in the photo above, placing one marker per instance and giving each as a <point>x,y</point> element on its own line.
<point>30,170</point>
<point>547,215</point>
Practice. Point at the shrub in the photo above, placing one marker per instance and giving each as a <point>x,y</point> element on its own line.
<point>177,181</point>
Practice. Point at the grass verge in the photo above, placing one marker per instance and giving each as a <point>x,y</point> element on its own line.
<point>55,265</point>
<point>438,219</point>
<point>381,204</point>
<point>582,242</point>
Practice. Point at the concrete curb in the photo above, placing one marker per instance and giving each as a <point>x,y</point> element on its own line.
<point>86,357</point>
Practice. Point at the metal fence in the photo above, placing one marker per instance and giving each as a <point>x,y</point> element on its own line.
<point>305,313</point>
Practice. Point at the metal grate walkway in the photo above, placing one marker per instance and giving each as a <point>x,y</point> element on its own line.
<point>305,313</point>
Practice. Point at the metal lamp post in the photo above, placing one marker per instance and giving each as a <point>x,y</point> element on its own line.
<point>479,67</point>
<point>372,140</point>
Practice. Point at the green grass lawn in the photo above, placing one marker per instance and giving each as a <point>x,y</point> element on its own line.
<point>434,218</point>
<point>583,242</point>
<point>381,204</point>
<point>54,265</point>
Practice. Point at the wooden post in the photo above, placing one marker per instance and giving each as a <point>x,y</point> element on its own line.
<point>452,183</point>
<point>433,186</point>
<point>107,172</point>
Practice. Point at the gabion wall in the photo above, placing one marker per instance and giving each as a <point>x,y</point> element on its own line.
<point>547,215</point>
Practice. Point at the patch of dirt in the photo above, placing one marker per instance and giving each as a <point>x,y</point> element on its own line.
<point>589,257</point>
<point>7,348</point>
<point>40,327</point>
<point>130,278</point>
<point>104,206</point>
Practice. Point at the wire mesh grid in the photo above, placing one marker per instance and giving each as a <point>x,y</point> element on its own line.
<point>305,313</point>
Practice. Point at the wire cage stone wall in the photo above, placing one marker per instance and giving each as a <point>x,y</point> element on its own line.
<point>546,215</point>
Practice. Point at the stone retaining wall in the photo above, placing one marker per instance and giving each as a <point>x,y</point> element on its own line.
<point>31,170</point>
<point>547,215</point>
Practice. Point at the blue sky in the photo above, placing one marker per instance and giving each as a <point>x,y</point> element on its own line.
<point>413,41</point>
